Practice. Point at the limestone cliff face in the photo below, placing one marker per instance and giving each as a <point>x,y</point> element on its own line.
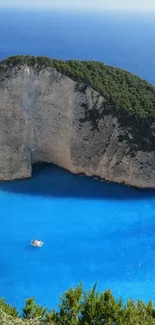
<point>47,117</point>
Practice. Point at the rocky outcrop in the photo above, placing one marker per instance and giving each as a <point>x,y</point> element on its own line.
<point>48,117</point>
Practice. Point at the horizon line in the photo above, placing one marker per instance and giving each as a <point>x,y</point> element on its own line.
<point>84,9</point>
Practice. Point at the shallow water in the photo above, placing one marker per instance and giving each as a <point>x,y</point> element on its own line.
<point>92,231</point>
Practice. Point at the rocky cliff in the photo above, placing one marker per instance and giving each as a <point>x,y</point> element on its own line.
<point>46,116</point>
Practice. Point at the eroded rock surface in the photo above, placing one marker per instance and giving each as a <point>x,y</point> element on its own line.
<point>47,117</point>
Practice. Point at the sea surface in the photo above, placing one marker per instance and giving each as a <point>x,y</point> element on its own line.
<point>92,231</point>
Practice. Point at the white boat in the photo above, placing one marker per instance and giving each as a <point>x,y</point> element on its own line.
<point>37,243</point>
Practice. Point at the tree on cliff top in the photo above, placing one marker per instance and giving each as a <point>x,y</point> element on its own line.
<point>122,90</point>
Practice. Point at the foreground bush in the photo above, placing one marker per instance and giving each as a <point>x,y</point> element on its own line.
<point>78,307</point>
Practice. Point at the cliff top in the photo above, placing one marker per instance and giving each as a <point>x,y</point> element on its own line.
<point>122,90</point>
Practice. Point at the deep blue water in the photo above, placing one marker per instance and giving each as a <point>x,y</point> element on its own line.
<point>124,40</point>
<point>92,231</point>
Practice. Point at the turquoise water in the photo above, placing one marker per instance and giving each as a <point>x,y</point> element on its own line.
<point>92,231</point>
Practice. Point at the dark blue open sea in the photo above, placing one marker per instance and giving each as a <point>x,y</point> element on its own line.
<point>92,231</point>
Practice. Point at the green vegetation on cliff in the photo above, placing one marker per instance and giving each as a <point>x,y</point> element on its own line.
<point>123,91</point>
<point>81,308</point>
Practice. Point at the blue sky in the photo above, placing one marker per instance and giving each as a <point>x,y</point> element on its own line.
<point>82,4</point>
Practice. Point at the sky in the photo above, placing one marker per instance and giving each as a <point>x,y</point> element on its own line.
<point>82,4</point>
